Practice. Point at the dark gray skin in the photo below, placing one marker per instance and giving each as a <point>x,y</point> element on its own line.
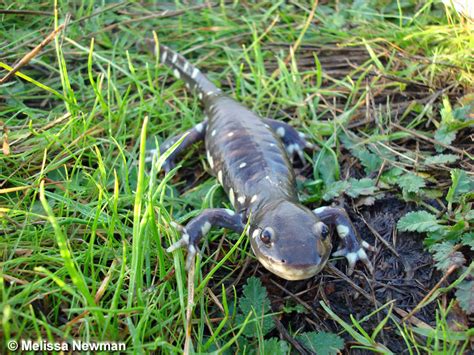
<point>250,157</point>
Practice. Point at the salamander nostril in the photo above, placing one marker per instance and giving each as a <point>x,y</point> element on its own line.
<point>283,261</point>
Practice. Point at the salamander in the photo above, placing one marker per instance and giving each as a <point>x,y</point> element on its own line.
<point>251,158</point>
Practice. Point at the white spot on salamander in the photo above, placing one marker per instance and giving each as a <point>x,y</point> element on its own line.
<point>320,209</point>
<point>210,160</point>
<point>163,56</point>
<point>254,198</point>
<point>195,73</point>
<point>230,212</point>
<point>219,177</point>
<point>351,258</point>
<point>266,125</point>
<point>255,233</point>
<point>213,133</point>
<point>176,73</point>
<point>175,57</point>
<point>342,230</point>
<point>230,134</point>
<point>280,131</point>
<point>231,196</point>
<point>209,93</point>
<point>200,96</point>
<point>242,165</point>
<point>241,200</point>
<point>199,127</point>
<point>205,228</point>
<point>185,68</point>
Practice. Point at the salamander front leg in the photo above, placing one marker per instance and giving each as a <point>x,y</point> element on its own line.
<point>294,141</point>
<point>352,247</point>
<point>195,134</point>
<point>199,226</point>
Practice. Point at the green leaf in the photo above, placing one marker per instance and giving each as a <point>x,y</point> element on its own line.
<point>370,161</point>
<point>418,221</point>
<point>441,159</point>
<point>296,308</point>
<point>275,346</point>
<point>468,239</point>
<point>327,166</point>
<point>446,112</point>
<point>461,184</point>
<point>469,216</point>
<point>411,183</point>
<point>390,177</point>
<point>462,113</point>
<point>465,296</point>
<point>322,343</point>
<point>444,135</point>
<point>363,186</point>
<point>335,189</point>
<point>446,256</point>
<point>255,300</point>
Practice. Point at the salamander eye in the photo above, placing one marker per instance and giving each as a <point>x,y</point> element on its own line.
<point>324,231</point>
<point>321,229</point>
<point>267,235</point>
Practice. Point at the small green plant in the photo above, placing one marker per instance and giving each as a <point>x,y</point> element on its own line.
<point>448,232</point>
<point>254,301</point>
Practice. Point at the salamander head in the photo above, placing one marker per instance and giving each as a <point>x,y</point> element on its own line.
<point>290,240</point>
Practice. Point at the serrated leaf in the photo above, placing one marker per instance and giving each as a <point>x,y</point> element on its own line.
<point>441,159</point>
<point>255,300</point>
<point>462,113</point>
<point>363,186</point>
<point>275,346</point>
<point>411,183</point>
<point>461,184</point>
<point>468,239</point>
<point>335,189</point>
<point>346,141</point>
<point>370,161</point>
<point>322,343</point>
<point>418,221</point>
<point>391,176</point>
<point>465,296</point>
<point>444,135</point>
<point>446,256</point>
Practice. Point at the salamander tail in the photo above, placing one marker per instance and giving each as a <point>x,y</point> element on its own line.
<point>192,76</point>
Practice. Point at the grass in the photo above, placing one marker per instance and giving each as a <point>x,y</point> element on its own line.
<point>84,220</point>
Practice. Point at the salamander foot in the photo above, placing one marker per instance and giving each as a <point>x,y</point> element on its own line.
<point>200,225</point>
<point>353,256</point>
<point>183,242</point>
<point>295,142</point>
<point>351,245</point>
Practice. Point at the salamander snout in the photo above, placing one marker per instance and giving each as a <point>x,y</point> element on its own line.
<point>290,240</point>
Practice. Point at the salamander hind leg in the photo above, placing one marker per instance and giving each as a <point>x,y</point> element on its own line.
<point>199,226</point>
<point>294,141</point>
<point>194,135</point>
<point>352,246</point>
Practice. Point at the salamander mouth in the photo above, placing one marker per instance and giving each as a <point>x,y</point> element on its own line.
<point>290,271</point>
